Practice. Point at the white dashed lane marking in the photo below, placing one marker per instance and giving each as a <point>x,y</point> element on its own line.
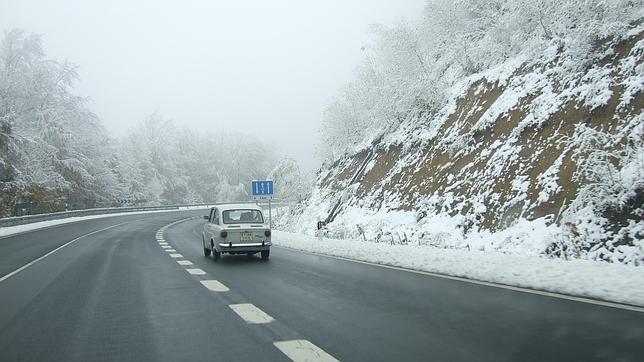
<point>251,314</point>
<point>214,285</point>
<point>196,271</point>
<point>303,350</point>
<point>298,350</point>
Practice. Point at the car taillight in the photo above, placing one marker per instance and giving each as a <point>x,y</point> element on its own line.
<point>267,233</point>
<point>223,233</point>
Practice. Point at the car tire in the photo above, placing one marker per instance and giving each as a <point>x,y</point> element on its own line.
<point>215,254</point>
<point>206,251</point>
<point>265,254</point>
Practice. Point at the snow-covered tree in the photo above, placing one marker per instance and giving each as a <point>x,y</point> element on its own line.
<point>55,153</point>
<point>291,184</point>
<point>53,143</point>
<point>408,67</point>
<point>171,166</point>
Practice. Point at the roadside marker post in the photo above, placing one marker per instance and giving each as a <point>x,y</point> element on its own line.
<point>263,190</point>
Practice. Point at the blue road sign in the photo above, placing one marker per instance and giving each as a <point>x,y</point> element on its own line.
<point>262,188</point>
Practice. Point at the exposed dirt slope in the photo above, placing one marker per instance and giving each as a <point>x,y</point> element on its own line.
<point>531,139</point>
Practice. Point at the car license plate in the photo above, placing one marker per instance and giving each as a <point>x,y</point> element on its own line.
<point>246,236</point>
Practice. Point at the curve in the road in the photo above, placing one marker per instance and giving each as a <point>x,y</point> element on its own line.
<point>358,311</point>
<point>143,290</point>
<point>10,274</point>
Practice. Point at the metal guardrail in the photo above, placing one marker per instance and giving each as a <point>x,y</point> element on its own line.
<point>27,219</point>
<point>21,220</point>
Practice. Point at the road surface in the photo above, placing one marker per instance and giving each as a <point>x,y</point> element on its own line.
<point>123,290</point>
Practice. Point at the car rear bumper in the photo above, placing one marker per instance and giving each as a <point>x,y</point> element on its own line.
<point>243,247</point>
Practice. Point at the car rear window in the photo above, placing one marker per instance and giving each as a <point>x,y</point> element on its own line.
<point>242,216</point>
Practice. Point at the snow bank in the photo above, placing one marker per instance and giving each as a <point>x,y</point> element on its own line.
<point>17,229</point>
<point>597,280</point>
<point>524,237</point>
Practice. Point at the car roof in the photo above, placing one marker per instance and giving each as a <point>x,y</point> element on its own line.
<point>248,206</point>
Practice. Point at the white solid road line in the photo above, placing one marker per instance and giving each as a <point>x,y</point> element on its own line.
<point>196,271</point>
<point>633,308</point>
<point>184,262</point>
<point>303,350</point>
<point>214,285</point>
<point>55,250</point>
<point>251,314</point>
<point>176,255</point>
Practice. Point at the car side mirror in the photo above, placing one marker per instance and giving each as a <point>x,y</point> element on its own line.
<point>206,217</point>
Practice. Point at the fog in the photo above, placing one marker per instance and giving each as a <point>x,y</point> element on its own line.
<point>265,68</point>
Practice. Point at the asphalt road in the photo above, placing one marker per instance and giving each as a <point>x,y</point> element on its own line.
<point>122,294</point>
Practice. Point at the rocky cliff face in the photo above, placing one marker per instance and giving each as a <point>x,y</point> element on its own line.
<point>551,141</point>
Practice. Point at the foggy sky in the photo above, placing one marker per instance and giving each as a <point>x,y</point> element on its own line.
<point>266,68</point>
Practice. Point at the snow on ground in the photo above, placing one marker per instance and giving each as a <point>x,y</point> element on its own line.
<point>438,230</point>
<point>17,229</point>
<point>585,278</point>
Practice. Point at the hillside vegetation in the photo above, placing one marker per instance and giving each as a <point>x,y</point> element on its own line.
<point>56,155</point>
<point>513,126</point>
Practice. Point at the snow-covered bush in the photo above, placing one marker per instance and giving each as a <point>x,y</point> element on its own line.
<point>609,208</point>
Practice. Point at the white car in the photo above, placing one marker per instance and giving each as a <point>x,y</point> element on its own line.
<point>236,229</point>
